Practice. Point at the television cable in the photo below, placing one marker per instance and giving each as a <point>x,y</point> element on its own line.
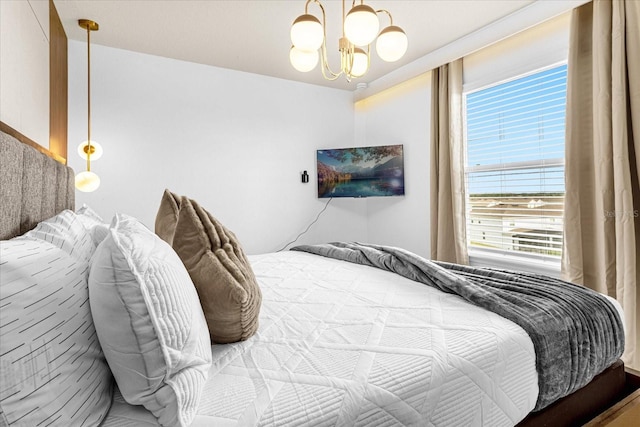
<point>308,227</point>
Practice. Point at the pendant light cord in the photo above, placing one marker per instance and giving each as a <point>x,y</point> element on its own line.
<point>88,97</point>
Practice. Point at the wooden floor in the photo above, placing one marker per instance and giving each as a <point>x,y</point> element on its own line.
<point>625,413</point>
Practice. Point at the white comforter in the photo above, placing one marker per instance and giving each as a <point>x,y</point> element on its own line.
<point>349,345</point>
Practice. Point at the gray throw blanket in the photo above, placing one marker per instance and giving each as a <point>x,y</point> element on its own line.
<point>576,332</point>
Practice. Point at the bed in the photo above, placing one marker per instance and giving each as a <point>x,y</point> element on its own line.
<point>337,343</point>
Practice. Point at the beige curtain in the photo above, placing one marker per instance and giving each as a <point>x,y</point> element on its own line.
<point>602,204</point>
<point>448,228</point>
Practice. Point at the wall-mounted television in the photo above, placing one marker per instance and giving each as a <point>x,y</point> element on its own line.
<point>361,172</point>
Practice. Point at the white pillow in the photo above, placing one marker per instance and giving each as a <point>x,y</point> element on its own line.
<point>93,222</point>
<point>149,322</point>
<point>52,368</point>
<point>66,231</point>
<point>89,214</point>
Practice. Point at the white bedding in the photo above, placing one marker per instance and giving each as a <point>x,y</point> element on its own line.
<point>344,344</point>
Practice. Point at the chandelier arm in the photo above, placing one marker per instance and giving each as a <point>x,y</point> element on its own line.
<point>345,46</point>
<point>333,76</point>
<point>306,5</point>
<point>348,67</point>
<point>323,52</point>
<point>388,14</point>
<point>348,57</point>
<point>325,64</point>
<point>346,63</point>
<point>368,57</point>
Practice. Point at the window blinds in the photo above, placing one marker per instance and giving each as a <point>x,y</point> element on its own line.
<point>515,164</point>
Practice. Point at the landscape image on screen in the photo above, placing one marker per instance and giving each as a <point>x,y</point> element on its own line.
<point>361,172</point>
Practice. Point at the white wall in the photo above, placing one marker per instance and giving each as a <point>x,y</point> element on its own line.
<point>538,47</point>
<point>235,142</point>
<point>24,75</point>
<point>400,115</point>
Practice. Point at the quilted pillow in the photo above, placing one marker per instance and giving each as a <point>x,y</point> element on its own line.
<point>149,322</point>
<point>229,293</point>
<point>167,216</point>
<point>52,367</point>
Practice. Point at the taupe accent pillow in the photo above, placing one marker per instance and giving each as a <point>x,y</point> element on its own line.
<point>167,216</point>
<point>228,290</point>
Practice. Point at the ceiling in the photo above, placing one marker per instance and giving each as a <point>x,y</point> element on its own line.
<point>253,35</point>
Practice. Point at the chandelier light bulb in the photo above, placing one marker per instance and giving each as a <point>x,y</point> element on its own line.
<point>361,25</point>
<point>302,60</point>
<point>87,181</point>
<point>391,44</point>
<point>360,63</point>
<point>307,33</point>
<point>96,150</point>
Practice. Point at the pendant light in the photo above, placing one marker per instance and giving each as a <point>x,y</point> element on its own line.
<point>88,181</point>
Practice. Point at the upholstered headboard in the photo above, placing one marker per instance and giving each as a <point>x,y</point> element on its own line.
<point>33,187</point>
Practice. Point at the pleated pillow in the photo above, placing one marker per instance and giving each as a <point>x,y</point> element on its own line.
<point>167,216</point>
<point>53,371</point>
<point>149,322</point>
<point>228,289</point>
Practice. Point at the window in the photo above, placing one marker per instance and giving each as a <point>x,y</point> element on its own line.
<point>515,165</point>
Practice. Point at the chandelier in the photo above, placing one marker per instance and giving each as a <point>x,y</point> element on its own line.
<point>360,28</point>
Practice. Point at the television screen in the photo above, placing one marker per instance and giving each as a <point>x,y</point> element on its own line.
<point>361,172</point>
